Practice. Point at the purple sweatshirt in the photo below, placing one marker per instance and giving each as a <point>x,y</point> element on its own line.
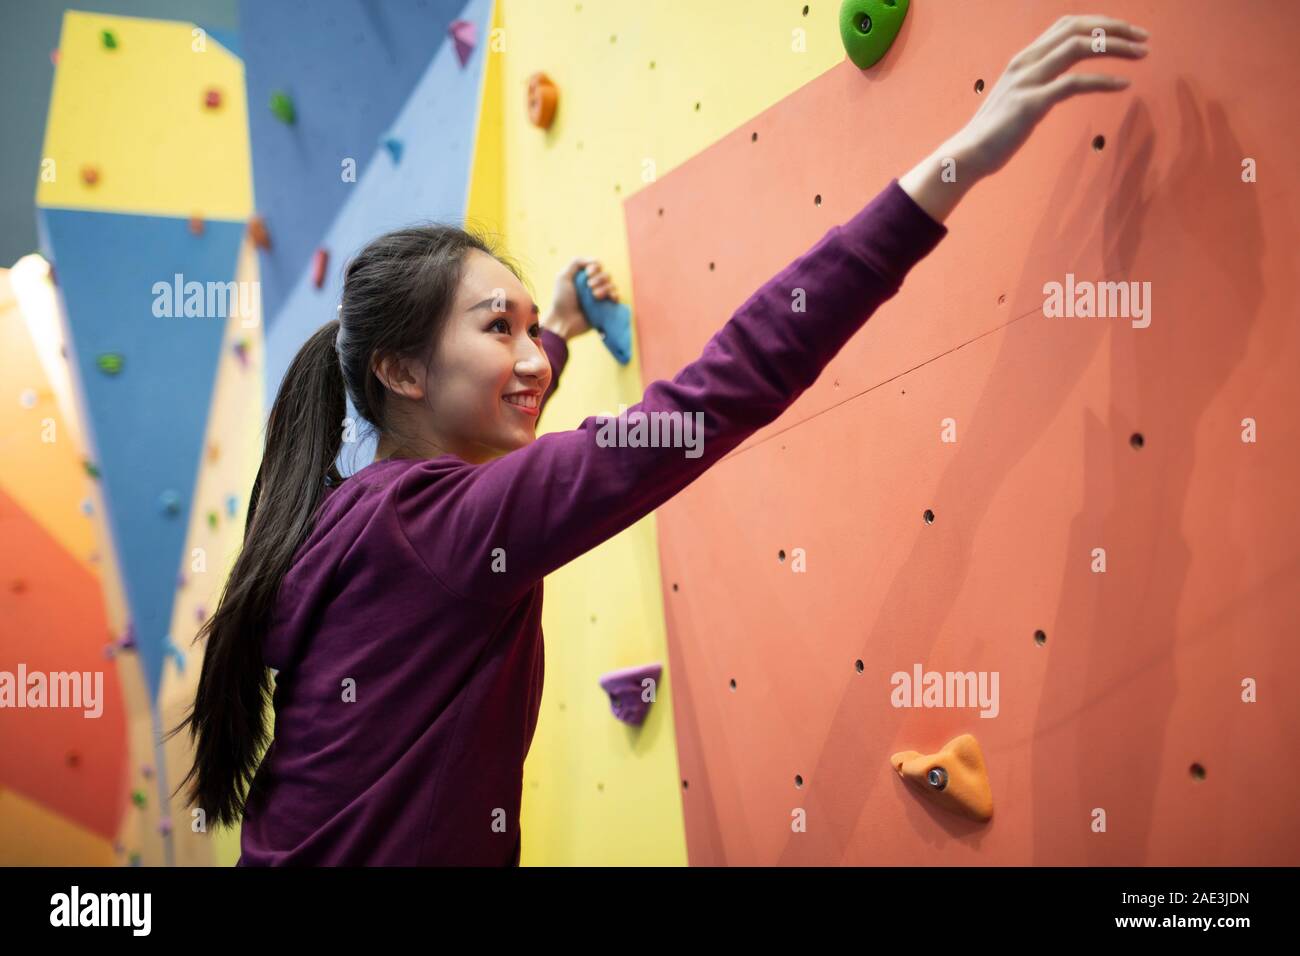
<point>419,591</point>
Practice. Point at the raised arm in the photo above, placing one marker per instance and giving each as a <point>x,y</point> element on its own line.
<point>489,532</point>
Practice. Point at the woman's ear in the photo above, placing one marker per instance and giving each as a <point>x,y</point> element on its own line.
<point>402,375</point>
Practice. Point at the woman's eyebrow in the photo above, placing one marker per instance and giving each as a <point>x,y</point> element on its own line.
<point>510,305</point>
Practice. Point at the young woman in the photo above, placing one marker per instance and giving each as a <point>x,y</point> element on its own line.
<point>402,608</point>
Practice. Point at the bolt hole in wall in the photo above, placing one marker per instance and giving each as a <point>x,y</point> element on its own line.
<point>780,555</point>
<point>798,780</point>
<point>1040,638</point>
<point>928,516</point>
<point>1136,440</point>
<point>1197,771</point>
<point>1099,142</point>
<point>733,683</point>
<point>979,86</point>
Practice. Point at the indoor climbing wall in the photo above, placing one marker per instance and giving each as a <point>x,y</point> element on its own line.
<point>1100,512</point>
<point>138,401</point>
<point>371,126</point>
<point>51,611</point>
<point>641,89</point>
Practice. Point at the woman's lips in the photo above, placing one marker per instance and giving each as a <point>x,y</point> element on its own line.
<point>530,412</point>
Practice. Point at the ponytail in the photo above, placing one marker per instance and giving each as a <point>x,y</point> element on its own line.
<point>228,721</point>
<point>397,294</point>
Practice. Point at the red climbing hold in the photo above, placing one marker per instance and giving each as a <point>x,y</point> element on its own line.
<point>212,99</point>
<point>196,225</point>
<point>54,56</point>
<point>319,263</point>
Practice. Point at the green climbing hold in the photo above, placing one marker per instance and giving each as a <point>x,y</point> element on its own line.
<point>110,41</point>
<point>110,363</point>
<point>212,520</point>
<point>90,468</point>
<point>868,28</point>
<point>137,797</point>
<point>282,107</point>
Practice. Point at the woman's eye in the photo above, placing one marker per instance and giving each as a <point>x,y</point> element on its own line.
<point>504,322</point>
<point>536,330</point>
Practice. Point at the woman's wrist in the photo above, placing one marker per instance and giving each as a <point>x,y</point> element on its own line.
<point>938,182</point>
<point>562,327</point>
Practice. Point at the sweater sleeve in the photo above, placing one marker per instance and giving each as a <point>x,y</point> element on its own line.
<point>490,532</point>
<point>557,352</point>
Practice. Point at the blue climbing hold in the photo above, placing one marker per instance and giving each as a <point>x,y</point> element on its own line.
<point>394,147</point>
<point>232,505</point>
<point>175,653</point>
<point>611,319</point>
<point>170,502</point>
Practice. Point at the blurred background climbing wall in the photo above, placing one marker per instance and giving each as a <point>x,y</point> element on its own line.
<point>937,499</point>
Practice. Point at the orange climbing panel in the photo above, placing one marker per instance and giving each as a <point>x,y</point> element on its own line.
<point>1111,524</point>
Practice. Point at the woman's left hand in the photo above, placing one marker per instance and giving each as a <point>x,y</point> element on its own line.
<point>566,318</point>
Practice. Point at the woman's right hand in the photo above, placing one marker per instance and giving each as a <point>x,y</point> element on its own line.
<point>1034,81</point>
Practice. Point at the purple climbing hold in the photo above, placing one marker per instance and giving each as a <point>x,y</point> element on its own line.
<point>127,643</point>
<point>462,34</point>
<point>629,696</point>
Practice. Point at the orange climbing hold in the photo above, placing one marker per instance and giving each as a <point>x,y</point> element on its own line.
<point>257,232</point>
<point>955,777</point>
<point>89,175</point>
<point>543,97</point>
<point>196,225</point>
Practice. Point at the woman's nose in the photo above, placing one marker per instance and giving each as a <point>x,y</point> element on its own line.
<point>532,360</point>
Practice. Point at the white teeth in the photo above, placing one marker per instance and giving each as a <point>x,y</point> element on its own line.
<point>528,401</point>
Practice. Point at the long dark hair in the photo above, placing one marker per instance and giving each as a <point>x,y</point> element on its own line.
<point>397,295</point>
